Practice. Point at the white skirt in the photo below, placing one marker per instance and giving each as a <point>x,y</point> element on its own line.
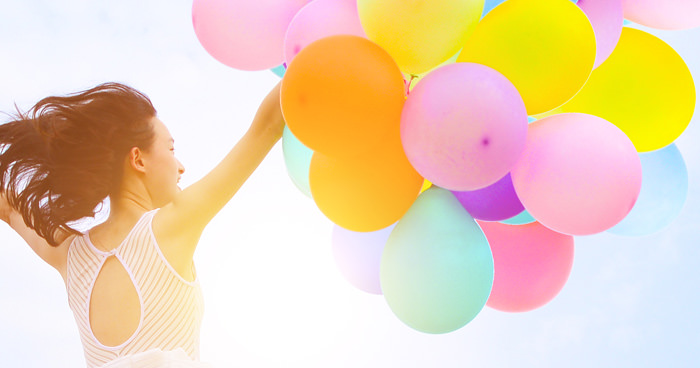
<point>157,358</point>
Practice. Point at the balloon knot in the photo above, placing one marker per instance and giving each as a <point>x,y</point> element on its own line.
<point>408,84</point>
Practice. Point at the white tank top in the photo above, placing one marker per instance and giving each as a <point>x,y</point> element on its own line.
<point>171,307</point>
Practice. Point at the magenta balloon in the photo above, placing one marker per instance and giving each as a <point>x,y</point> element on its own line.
<point>496,202</point>
<point>358,256</point>
<point>319,19</point>
<point>244,34</point>
<point>579,173</point>
<point>606,18</point>
<point>531,265</point>
<point>663,14</point>
<point>463,126</point>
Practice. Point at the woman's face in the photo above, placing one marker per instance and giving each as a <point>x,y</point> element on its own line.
<point>163,170</point>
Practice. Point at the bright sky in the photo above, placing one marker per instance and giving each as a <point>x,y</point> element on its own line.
<point>274,296</point>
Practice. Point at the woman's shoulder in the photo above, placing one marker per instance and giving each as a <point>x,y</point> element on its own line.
<point>176,244</point>
<point>59,257</point>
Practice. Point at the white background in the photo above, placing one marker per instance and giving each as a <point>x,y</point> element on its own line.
<point>274,297</point>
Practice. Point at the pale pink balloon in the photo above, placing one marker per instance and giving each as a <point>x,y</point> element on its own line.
<point>531,265</point>
<point>319,19</point>
<point>463,126</point>
<point>579,173</point>
<point>663,14</point>
<point>606,18</point>
<point>244,34</point>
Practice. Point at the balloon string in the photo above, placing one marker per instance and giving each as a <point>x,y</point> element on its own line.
<point>408,85</point>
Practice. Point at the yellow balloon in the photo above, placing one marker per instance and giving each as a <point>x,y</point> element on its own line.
<point>413,79</point>
<point>644,87</point>
<point>546,48</point>
<point>419,35</point>
<point>426,186</point>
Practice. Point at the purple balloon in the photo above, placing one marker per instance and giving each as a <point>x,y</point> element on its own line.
<point>496,202</point>
<point>358,256</point>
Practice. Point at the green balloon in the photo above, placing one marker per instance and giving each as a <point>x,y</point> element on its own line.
<point>437,268</point>
<point>279,70</point>
<point>520,219</point>
<point>297,158</point>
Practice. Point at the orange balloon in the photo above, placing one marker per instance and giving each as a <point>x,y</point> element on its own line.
<point>367,192</point>
<point>341,95</point>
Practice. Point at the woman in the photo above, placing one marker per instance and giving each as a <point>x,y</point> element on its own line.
<point>131,281</point>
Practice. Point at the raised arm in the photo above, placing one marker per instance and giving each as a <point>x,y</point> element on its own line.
<point>184,219</point>
<point>54,256</point>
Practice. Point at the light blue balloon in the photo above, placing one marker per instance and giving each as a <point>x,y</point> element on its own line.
<point>437,268</point>
<point>520,219</point>
<point>625,22</point>
<point>663,193</point>
<point>279,70</point>
<point>297,158</point>
<point>490,4</point>
<point>531,120</point>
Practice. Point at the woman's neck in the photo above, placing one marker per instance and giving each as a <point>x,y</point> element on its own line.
<point>124,212</point>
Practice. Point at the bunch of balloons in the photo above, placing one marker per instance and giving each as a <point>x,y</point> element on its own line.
<point>534,121</point>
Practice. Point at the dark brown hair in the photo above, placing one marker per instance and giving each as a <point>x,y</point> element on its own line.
<point>63,157</point>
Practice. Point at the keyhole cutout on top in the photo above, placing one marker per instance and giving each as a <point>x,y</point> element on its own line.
<point>115,308</point>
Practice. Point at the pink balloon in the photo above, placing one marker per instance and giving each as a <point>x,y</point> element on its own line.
<point>244,34</point>
<point>531,265</point>
<point>463,126</point>
<point>606,18</point>
<point>663,14</point>
<point>359,255</point>
<point>319,19</point>
<point>579,173</point>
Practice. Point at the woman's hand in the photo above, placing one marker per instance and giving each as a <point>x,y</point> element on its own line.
<point>268,119</point>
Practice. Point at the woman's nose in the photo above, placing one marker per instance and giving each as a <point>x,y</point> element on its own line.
<point>180,167</point>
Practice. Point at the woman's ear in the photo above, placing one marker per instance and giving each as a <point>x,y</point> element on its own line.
<point>136,161</point>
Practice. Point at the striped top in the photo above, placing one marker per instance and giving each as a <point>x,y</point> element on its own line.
<point>171,307</point>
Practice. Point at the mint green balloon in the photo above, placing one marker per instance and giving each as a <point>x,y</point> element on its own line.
<point>437,268</point>
<point>520,219</point>
<point>279,70</point>
<point>297,158</point>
